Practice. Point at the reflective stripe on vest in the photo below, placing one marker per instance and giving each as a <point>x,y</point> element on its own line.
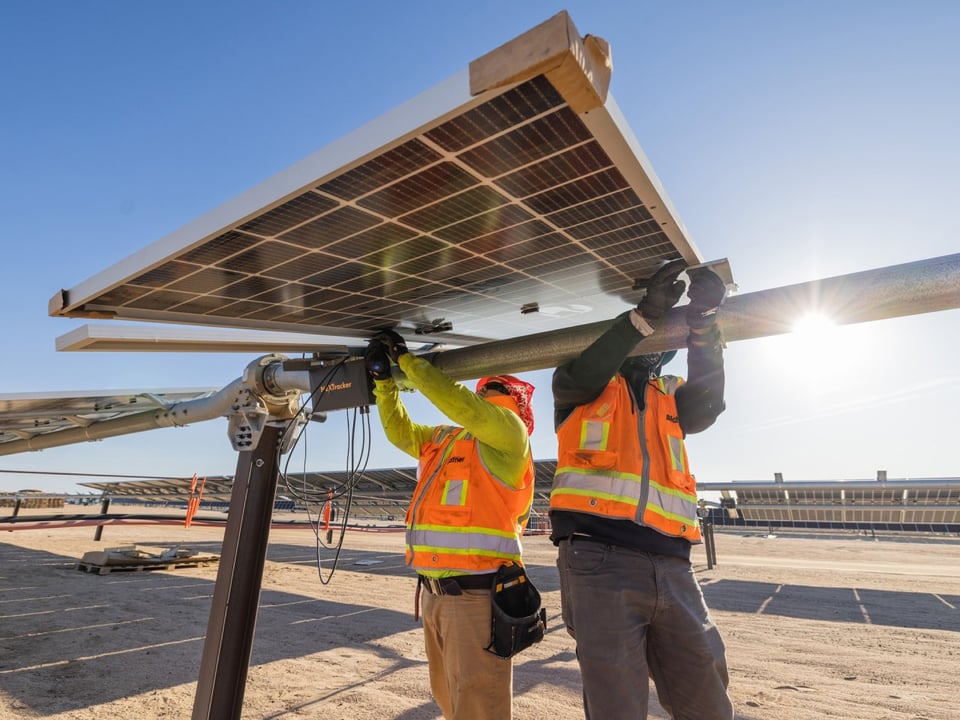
<point>594,435</point>
<point>676,454</point>
<point>454,492</point>
<point>467,540</point>
<point>627,489</point>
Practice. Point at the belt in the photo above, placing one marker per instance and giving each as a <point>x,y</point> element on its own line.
<point>455,585</point>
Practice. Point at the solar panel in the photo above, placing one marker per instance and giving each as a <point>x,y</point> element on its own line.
<point>939,496</point>
<point>29,415</point>
<point>503,202</point>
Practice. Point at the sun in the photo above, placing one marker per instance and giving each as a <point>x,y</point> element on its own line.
<point>799,355</point>
<point>814,329</point>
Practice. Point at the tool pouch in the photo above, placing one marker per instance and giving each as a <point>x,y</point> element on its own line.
<point>518,621</point>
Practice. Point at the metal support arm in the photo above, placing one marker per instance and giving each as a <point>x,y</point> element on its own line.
<point>896,291</point>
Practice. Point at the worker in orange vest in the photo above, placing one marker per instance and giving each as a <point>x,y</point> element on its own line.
<point>468,512</point>
<point>623,510</point>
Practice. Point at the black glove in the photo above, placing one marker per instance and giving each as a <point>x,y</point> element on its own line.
<point>663,292</point>
<point>394,344</point>
<point>706,293</point>
<point>377,361</point>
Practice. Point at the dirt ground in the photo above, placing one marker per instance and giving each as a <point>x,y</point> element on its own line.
<point>841,627</point>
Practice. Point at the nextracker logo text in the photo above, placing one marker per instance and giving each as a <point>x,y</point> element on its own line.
<point>336,386</point>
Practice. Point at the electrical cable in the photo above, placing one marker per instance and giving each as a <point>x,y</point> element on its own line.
<point>310,496</point>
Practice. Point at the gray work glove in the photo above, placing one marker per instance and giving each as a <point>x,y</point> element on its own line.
<point>377,361</point>
<point>394,343</point>
<point>663,292</point>
<point>706,293</point>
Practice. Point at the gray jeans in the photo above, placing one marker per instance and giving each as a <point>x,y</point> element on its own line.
<point>634,616</point>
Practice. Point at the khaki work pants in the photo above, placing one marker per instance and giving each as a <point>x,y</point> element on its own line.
<point>468,683</point>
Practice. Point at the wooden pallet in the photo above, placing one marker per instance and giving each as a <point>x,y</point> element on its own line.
<point>133,558</point>
<point>142,566</point>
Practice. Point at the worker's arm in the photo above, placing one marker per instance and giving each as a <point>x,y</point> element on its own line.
<point>583,379</point>
<point>700,398</point>
<point>504,444</point>
<point>397,425</point>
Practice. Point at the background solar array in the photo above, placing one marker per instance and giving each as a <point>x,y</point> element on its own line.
<point>391,482</point>
<point>29,415</point>
<point>384,494</point>
<point>904,506</point>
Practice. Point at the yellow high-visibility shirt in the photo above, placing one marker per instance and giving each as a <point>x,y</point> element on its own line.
<point>501,435</point>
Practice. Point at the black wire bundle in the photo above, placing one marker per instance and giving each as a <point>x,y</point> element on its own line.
<point>356,462</point>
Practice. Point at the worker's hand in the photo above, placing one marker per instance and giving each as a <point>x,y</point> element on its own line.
<point>377,361</point>
<point>394,344</point>
<point>706,293</point>
<point>663,292</point>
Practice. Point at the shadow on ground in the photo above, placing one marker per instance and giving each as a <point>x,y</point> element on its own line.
<point>47,606</point>
<point>928,611</point>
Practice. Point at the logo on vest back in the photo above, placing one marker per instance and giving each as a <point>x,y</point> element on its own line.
<point>455,459</point>
<point>673,419</point>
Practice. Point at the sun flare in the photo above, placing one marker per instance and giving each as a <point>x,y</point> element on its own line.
<point>801,352</point>
<point>814,328</point>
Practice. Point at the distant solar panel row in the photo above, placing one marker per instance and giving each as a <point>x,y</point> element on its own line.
<point>31,414</point>
<point>932,504</point>
<point>387,483</point>
<point>853,515</point>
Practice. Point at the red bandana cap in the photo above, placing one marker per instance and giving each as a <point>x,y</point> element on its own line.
<point>520,391</point>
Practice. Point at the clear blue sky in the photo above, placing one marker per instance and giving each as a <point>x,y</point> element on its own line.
<point>799,140</point>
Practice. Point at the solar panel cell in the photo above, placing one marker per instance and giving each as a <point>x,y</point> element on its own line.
<point>208,280</point>
<point>291,213</point>
<point>304,265</point>
<point>338,272</point>
<point>448,211</point>
<point>577,191</point>
<point>240,309</point>
<point>528,143</point>
<point>448,265</point>
<point>262,257</point>
<point>493,221</point>
<point>380,171</point>
<point>368,241</point>
<point>159,300</point>
<point>557,170</point>
<point>492,244</point>
<point>223,246</point>
<point>426,187</point>
<point>330,227</point>
<point>165,274</point>
<point>249,287</point>
<point>503,112</point>
<point>286,294</point>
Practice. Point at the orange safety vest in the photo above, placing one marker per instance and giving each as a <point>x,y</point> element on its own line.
<point>462,518</point>
<point>615,463</point>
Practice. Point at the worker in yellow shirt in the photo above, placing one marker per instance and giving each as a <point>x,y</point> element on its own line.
<point>468,512</point>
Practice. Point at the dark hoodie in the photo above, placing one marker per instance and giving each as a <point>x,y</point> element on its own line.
<point>699,403</point>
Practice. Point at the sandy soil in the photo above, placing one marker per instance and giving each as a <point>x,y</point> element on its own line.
<point>847,628</point>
